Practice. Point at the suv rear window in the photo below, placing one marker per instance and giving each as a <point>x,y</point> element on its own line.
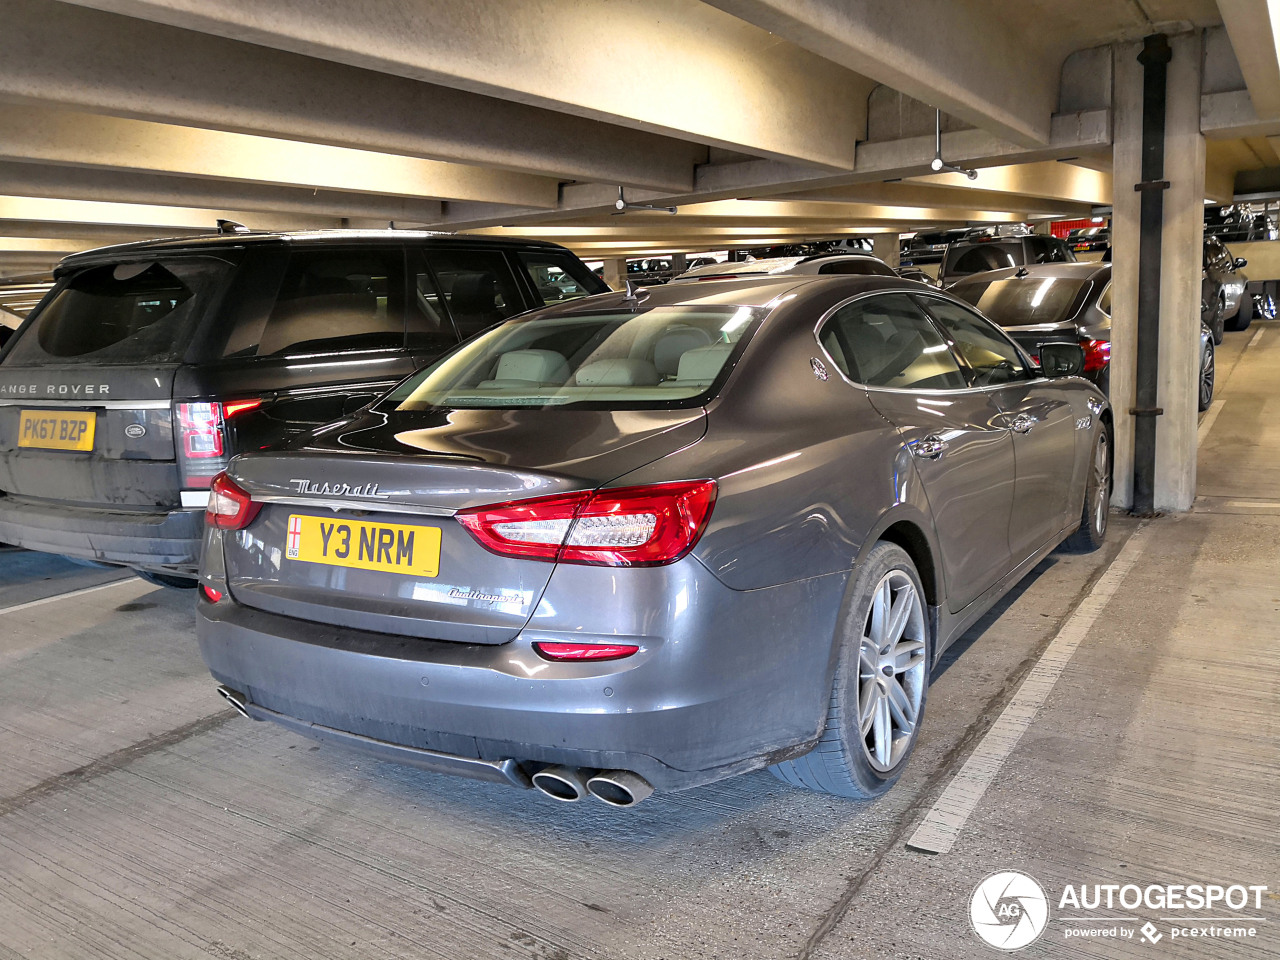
<point>650,359</point>
<point>984,256</point>
<point>1019,301</point>
<point>140,312</point>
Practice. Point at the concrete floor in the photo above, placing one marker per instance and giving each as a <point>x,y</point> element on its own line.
<point>141,818</point>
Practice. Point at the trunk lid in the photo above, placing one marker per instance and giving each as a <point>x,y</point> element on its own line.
<point>358,530</point>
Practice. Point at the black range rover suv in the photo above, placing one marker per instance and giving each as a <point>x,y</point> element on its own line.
<point>149,365</point>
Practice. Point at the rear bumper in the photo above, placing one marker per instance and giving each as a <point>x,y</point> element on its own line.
<point>167,542</point>
<point>750,690</point>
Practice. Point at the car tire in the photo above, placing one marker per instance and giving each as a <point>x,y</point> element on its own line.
<point>1097,497</point>
<point>1216,322</point>
<point>1206,376</point>
<point>1243,316</point>
<point>866,742</point>
<point>170,580</point>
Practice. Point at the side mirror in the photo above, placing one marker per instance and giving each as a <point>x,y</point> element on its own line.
<point>1061,359</point>
<point>1241,262</point>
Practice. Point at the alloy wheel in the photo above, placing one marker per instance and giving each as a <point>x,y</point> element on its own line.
<point>1206,378</point>
<point>1102,485</point>
<point>891,671</point>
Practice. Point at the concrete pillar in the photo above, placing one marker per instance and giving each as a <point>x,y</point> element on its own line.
<point>679,264</point>
<point>888,248</point>
<point>615,273</point>
<point>1180,265</point>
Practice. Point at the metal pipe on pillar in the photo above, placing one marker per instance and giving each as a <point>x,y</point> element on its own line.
<point>1155,57</point>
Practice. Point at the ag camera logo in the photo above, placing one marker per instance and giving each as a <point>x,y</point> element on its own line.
<point>1009,910</point>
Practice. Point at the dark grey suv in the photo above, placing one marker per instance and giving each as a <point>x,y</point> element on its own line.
<point>650,541</point>
<point>148,366</point>
<point>967,257</point>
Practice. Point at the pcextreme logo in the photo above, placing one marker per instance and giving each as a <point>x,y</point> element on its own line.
<point>1010,910</point>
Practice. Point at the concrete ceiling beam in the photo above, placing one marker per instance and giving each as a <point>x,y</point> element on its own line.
<point>39,217</point>
<point>84,183</point>
<point>39,135</point>
<point>121,66</point>
<point>910,193</point>
<point>679,68</point>
<point>964,61</point>
<point>1048,180</point>
<point>1254,29</point>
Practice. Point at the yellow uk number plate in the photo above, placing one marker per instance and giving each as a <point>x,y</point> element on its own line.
<point>385,547</point>
<point>49,430</point>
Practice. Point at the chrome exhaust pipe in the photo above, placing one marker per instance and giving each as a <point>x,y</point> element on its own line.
<point>568,784</point>
<point>619,788</point>
<point>236,699</point>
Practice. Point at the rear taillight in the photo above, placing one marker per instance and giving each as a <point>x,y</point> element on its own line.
<point>1097,354</point>
<point>204,446</point>
<point>230,507</point>
<point>621,527</point>
<point>584,651</point>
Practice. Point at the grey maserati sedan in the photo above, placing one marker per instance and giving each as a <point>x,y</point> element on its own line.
<point>648,540</point>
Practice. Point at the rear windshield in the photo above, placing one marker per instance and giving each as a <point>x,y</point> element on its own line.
<point>962,261</point>
<point>650,359</point>
<point>1018,302</point>
<point>140,312</point>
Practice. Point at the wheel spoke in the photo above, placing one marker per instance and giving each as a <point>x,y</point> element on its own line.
<point>868,701</point>
<point>904,712</point>
<point>907,654</point>
<point>902,609</point>
<point>867,661</point>
<point>883,731</point>
<point>880,604</point>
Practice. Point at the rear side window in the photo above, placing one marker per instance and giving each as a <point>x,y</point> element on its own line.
<point>985,256</point>
<point>331,300</point>
<point>560,276</point>
<point>141,312</point>
<point>864,268</point>
<point>887,342</point>
<point>478,287</point>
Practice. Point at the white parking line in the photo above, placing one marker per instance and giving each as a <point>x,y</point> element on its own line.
<point>1215,408</point>
<point>941,827</point>
<point>18,608</point>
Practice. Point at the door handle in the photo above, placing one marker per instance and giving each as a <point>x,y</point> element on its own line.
<point>1023,423</point>
<point>929,448</point>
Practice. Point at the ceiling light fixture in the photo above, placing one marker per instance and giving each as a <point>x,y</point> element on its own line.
<point>937,164</point>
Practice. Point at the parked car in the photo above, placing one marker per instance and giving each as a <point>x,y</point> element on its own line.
<point>1064,303</point>
<point>151,364</point>
<point>1238,222</point>
<point>862,264</point>
<point>915,273</point>
<point>1089,239</point>
<point>1223,305</point>
<point>582,551</point>
<point>924,248</point>
<point>966,257</point>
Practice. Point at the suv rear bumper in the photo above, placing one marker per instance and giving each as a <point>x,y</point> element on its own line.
<point>164,542</point>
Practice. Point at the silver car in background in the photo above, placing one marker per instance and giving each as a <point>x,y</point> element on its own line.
<point>650,540</point>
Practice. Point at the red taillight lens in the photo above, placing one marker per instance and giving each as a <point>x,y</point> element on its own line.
<point>584,651</point>
<point>234,408</point>
<point>621,527</point>
<point>200,430</point>
<point>210,594</point>
<point>230,508</point>
<point>1097,354</point>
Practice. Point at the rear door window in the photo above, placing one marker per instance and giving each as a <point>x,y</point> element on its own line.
<point>141,312</point>
<point>427,317</point>
<point>888,342</point>
<point>560,276</point>
<point>478,286</point>
<point>331,300</point>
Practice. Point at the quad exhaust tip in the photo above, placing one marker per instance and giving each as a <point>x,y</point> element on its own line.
<point>617,788</point>
<point>236,699</point>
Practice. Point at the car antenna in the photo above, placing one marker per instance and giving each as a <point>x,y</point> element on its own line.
<point>635,295</point>
<point>622,205</point>
<point>937,164</point>
<point>231,226</point>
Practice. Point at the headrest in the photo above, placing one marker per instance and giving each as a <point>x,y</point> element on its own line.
<point>623,372</point>
<point>703,363</point>
<point>535,366</point>
<point>666,355</point>
<point>474,293</point>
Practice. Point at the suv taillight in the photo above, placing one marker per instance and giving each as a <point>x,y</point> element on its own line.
<point>1097,354</point>
<point>204,446</point>
<point>620,527</point>
<point>230,507</point>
